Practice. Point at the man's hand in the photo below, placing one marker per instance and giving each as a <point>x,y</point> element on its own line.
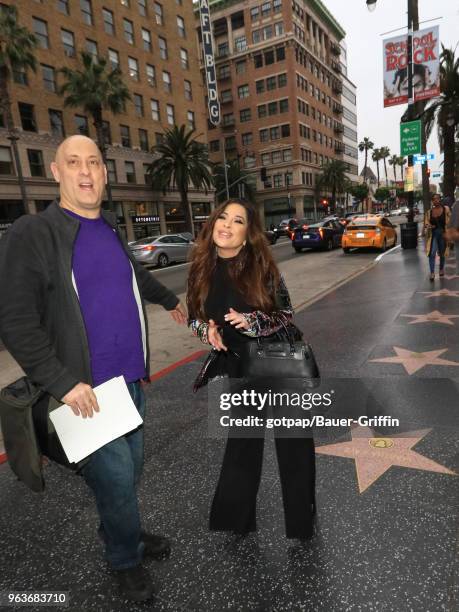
<point>179,314</point>
<point>213,336</point>
<point>236,319</point>
<point>82,400</point>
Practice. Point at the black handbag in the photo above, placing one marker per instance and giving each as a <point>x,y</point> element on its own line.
<point>283,355</point>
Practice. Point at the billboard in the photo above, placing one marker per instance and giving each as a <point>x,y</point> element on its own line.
<point>209,62</point>
<point>426,66</point>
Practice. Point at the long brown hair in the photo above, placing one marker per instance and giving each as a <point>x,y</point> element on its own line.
<point>253,272</point>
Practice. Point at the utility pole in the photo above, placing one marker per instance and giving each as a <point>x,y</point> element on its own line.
<point>410,112</point>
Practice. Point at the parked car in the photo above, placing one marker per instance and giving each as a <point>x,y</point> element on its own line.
<point>161,250</point>
<point>369,231</point>
<point>285,226</point>
<point>323,235</point>
<point>271,236</point>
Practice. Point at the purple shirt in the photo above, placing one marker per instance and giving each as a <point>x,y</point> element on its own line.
<point>103,276</point>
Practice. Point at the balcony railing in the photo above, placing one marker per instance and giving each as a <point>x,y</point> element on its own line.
<point>337,86</point>
<point>229,123</point>
<point>339,147</point>
<point>226,99</point>
<point>337,108</point>
<point>336,66</point>
<point>338,128</point>
<point>335,48</point>
<point>224,76</point>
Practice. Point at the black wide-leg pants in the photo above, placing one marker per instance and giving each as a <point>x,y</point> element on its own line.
<point>234,503</point>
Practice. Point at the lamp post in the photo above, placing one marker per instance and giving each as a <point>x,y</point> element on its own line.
<point>371,5</point>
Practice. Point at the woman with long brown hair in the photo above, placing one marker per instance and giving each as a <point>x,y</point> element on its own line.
<point>236,294</point>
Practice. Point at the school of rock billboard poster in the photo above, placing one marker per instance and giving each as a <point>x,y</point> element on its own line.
<point>426,67</point>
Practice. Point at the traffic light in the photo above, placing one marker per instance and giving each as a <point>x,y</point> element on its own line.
<point>428,171</point>
<point>324,202</point>
<point>263,175</point>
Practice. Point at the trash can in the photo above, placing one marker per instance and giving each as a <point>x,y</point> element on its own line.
<point>409,235</point>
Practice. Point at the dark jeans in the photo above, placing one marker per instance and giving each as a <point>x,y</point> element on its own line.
<point>113,473</point>
<point>438,244</point>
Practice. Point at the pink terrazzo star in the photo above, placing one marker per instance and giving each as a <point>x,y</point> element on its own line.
<point>413,361</point>
<point>440,292</point>
<point>431,317</point>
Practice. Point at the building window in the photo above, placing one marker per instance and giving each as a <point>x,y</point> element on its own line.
<point>261,111</point>
<point>138,104</point>
<point>114,58</point>
<point>6,162</point>
<point>287,155</point>
<point>130,171</point>
<point>159,138</point>
<point>37,167</point>
<point>283,105</point>
<point>125,134</point>
<point>91,48</point>
<point>272,108</point>
<point>264,135</point>
<point>288,179</point>
<point>146,39</point>
<point>191,120</point>
<point>128,28</point>
<point>170,114</point>
<point>20,76</point>
<point>63,6</point>
<point>230,143</point>
<point>167,83</point>
<point>258,60</point>
<point>27,115</point>
<point>270,83</point>
<point>255,13</point>
<point>223,49</point>
<point>142,5</point>
<point>162,47</point>
<point>214,145</point>
<point>260,86</point>
<point>277,180</point>
<point>56,123</point>
<point>249,161</point>
<point>151,75</point>
<point>277,6</point>
<point>106,133</point>
<point>226,96</point>
<point>68,40</point>
<point>133,65</point>
<point>81,124</point>
<point>40,29</point>
<point>181,26</point>
<point>245,115</point>
<point>49,78</point>
<point>243,91</point>
<point>265,9</point>
<point>86,11</point>
<point>274,133</point>
<point>158,13</point>
<point>184,59</point>
<point>247,139</point>
<point>188,90</point>
<point>285,130</point>
<point>147,175</point>
<point>126,3</point>
<point>154,110</point>
<point>240,43</point>
<point>282,80</point>
<point>143,140</point>
<point>241,67</point>
<point>280,54</point>
<point>111,171</point>
<point>224,72</point>
<point>109,22</point>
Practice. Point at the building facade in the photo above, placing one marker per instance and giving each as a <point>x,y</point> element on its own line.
<point>154,45</point>
<point>280,85</point>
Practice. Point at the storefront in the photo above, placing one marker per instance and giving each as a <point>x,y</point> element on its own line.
<point>277,209</point>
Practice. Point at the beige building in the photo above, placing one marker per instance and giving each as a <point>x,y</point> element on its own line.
<point>279,81</point>
<point>154,44</point>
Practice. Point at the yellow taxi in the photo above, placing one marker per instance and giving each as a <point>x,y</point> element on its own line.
<point>369,231</point>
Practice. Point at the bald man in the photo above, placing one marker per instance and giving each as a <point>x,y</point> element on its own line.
<point>72,314</point>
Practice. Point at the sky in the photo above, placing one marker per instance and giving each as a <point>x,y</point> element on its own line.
<point>364,45</point>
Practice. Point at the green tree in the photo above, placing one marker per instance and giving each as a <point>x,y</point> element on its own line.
<point>359,192</point>
<point>393,161</point>
<point>385,152</point>
<point>96,87</point>
<point>376,157</point>
<point>333,177</point>
<point>365,145</point>
<point>17,46</point>
<point>243,186</point>
<point>401,162</point>
<point>182,161</point>
<point>444,110</point>
<point>382,194</point>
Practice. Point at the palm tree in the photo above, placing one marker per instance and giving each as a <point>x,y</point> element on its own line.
<point>376,157</point>
<point>393,161</point>
<point>17,45</point>
<point>181,161</point>
<point>334,177</point>
<point>385,152</point>
<point>235,175</point>
<point>95,88</point>
<point>365,145</point>
<point>445,111</point>
<point>401,162</point>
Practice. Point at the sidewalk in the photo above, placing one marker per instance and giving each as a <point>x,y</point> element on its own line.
<point>386,527</point>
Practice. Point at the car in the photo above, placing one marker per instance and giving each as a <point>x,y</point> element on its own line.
<point>325,234</point>
<point>369,231</point>
<point>271,236</point>
<point>285,226</point>
<point>161,250</point>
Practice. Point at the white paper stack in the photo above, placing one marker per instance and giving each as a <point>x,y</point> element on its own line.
<point>117,416</point>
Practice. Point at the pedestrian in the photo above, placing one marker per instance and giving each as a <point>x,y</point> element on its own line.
<point>72,314</point>
<point>436,221</point>
<point>453,233</point>
<point>236,294</point>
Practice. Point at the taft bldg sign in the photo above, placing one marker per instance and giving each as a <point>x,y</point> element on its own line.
<point>209,62</point>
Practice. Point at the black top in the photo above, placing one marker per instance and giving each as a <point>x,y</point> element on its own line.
<point>440,221</point>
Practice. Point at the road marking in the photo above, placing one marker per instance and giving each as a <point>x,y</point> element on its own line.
<point>397,246</point>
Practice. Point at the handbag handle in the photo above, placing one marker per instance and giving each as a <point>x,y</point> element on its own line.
<point>289,339</point>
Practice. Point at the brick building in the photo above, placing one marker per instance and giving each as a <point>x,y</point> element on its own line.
<point>279,80</point>
<point>154,44</point>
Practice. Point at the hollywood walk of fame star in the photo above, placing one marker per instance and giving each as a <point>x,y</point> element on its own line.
<point>450,276</point>
<point>431,317</point>
<point>440,292</point>
<point>450,266</point>
<point>413,361</point>
<point>374,456</point>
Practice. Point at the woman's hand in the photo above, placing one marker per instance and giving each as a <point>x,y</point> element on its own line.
<point>236,319</point>
<point>213,336</point>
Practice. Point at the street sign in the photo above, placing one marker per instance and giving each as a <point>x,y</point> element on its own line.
<point>409,179</point>
<point>436,174</point>
<point>430,156</point>
<point>419,159</point>
<point>410,138</point>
